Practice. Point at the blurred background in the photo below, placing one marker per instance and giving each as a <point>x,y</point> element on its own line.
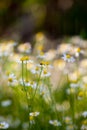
<point>21,19</point>
<point>44,30</point>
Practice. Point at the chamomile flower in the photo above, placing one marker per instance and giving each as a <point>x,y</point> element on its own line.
<point>27,83</point>
<point>84,114</point>
<point>78,51</point>
<point>6,103</point>
<point>45,73</point>
<point>25,59</point>
<point>68,120</point>
<point>34,114</point>
<point>12,79</point>
<point>55,122</point>
<point>44,91</point>
<point>4,125</point>
<point>32,121</point>
<point>45,64</point>
<point>41,55</point>
<point>68,58</point>
<point>33,84</point>
<point>41,68</point>
<point>36,69</point>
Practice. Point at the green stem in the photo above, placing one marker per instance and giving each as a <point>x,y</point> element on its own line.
<point>26,92</point>
<point>37,83</point>
<point>26,71</point>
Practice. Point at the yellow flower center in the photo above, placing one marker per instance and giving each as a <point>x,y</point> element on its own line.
<point>41,53</point>
<point>39,35</point>
<point>68,56</point>
<point>81,94</point>
<point>27,80</point>
<point>78,50</point>
<point>67,120</point>
<point>31,82</point>
<point>45,72</point>
<point>37,68</point>
<point>40,47</point>
<point>10,79</point>
<point>31,118</point>
<point>24,58</point>
<point>44,63</point>
<point>55,122</point>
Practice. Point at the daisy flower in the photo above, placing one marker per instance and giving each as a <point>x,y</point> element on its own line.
<point>41,55</point>
<point>6,103</point>
<point>12,79</point>
<point>25,59</point>
<point>55,122</point>
<point>78,51</point>
<point>34,114</point>
<point>4,125</point>
<point>45,73</point>
<point>68,120</point>
<point>36,69</point>
<point>27,83</point>
<point>68,58</point>
<point>84,114</point>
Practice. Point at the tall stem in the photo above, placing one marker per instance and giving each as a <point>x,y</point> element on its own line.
<point>72,104</point>
<point>26,90</point>
<point>26,71</point>
<point>37,83</point>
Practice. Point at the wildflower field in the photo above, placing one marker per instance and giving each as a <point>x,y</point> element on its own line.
<point>43,89</point>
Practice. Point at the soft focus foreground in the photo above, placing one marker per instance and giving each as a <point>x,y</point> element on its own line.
<point>42,88</point>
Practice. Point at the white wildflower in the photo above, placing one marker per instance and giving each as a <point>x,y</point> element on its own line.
<point>55,122</point>
<point>4,125</point>
<point>6,103</point>
<point>34,114</point>
<point>12,79</point>
<point>84,114</point>
<point>78,51</point>
<point>68,58</point>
